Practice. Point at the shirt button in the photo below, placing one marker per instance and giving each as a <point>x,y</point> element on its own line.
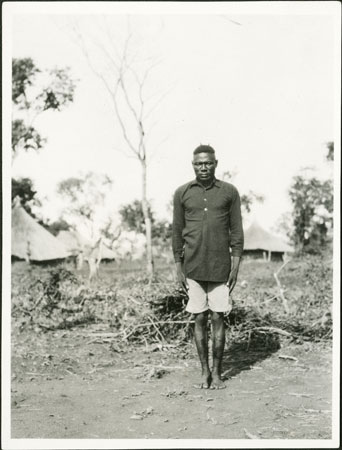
<point>205,209</point>
<point>205,199</point>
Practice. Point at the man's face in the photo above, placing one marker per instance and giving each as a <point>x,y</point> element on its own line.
<point>204,165</point>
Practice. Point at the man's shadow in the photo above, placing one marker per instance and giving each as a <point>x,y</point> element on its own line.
<point>245,349</point>
<point>239,356</point>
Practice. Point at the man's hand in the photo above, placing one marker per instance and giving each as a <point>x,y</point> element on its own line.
<point>233,273</point>
<point>181,279</point>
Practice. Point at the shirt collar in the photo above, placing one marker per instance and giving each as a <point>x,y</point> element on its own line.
<point>216,182</point>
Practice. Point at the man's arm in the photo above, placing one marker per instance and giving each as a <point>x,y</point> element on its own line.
<point>233,273</point>
<point>178,225</point>
<point>181,278</point>
<point>236,240</point>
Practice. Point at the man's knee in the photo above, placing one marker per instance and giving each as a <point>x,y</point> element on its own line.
<point>201,318</point>
<point>216,316</point>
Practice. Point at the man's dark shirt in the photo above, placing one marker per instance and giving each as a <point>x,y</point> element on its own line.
<point>206,225</point>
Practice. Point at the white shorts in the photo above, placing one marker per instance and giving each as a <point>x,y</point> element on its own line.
<point>204,295</point>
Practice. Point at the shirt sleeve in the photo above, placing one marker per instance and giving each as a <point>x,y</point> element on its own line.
<point>178,225</point>
<point>236,230</point>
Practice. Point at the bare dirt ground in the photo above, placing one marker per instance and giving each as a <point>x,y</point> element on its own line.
<point>66,384</point>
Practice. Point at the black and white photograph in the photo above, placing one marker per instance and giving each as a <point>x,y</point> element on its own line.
<point>171,224</point>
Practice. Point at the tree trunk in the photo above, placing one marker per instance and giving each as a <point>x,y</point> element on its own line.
<point>148,223</point>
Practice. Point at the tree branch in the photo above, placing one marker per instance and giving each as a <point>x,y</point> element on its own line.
<point>109,56</point>
<point>111,92</point>
<point>158,102</point>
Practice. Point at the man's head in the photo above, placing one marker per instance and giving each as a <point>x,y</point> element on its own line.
<point>204,163</point>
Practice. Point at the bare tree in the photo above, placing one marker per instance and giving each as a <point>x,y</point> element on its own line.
<point>125,79</point>
<point>111,233</point>
<point>93,254</point>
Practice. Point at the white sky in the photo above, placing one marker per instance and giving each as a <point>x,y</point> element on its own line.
<point>261,93</point>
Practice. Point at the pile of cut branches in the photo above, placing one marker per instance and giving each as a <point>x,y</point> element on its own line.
<point>134,310</point>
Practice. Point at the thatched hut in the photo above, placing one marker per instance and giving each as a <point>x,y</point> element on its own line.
<point>259,243</point>
<point>31,241</point>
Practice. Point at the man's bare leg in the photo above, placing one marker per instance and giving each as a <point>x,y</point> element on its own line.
<point>201,339</point>
<point>218,331</point>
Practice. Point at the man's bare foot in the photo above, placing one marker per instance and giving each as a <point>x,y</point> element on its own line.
<point>205,382</point>
<point>217,383</point>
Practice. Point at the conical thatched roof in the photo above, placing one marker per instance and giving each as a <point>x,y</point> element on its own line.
<point>256,238</point>
<point>72,240</point>
<point>31,241</point>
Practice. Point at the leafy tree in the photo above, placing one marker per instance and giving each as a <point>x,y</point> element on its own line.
<point>162,230</point>
<point>57,226</point>
<point>84,197</point>
<point>133,219</point>
<point>23,74</point>
<point>247,201</point>
<point>23,188</point>
<point>330,154</point>
<point>132,216</point>
<point>25,137</point>
<point>33,92</point>
<point>312,201</point>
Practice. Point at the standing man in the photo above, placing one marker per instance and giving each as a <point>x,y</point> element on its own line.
<point>207,243</point>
